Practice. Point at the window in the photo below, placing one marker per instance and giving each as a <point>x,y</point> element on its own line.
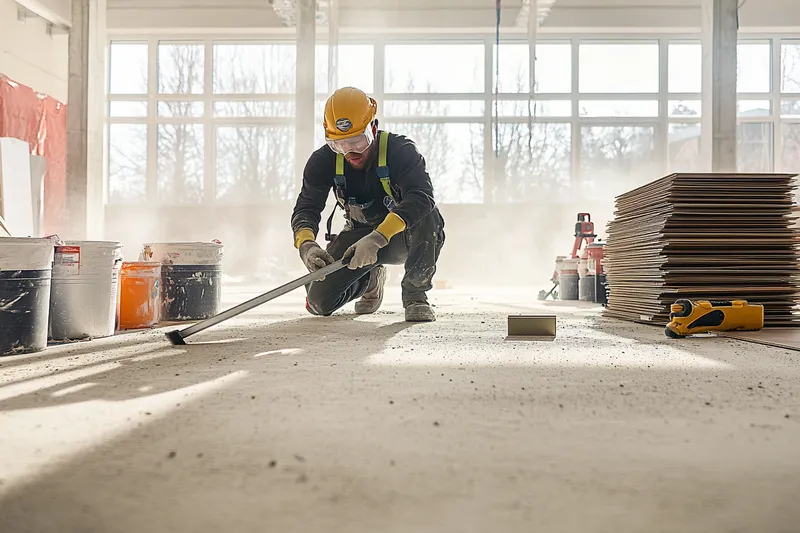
<point>255,108</point>
<point>454,157</point>
<point>790,108</point>
<point>685,108</point>
<point>181,109</point>
<point>790,68</point>
<point>254,68</point>
<point>753,73</point>
<point>590,129</point>
<point>181,68</point>
<point>754,108</point>
<point>127,109</point>
<point>180,163</point>
<point>615,159</point>
<point>613,108</point>
<point>128,68</point>
<point>255,163</point>
<point>684,148</point>
<point>434,68</point>
<point>433,108</point>
<point>685,68</point>
<point>553,68</point>
<point>533,108</point>
<point>355,67</point>
<point>619,68</point>
<point>127,162</point>
<point>791,148</point>
<point>537,162</point>
<point>754,147</point>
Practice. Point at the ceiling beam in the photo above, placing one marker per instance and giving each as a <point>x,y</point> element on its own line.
<point>542,10</point>
<point>56,12</point>
<point>287,12</point>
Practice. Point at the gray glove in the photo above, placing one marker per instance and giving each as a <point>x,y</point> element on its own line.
<point>314,257</point>
<point>365,251</point>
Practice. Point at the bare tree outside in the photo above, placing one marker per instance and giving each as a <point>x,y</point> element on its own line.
<point>127,154</point>
<point>684,139</point>
<point>181,145</point>
<point>253,141</point>
<point>536,157</point>
<point>616,158</point>
<point>453,151</point>
<point>127,162</point>
<point>255,161</point>
<point>754,151</point>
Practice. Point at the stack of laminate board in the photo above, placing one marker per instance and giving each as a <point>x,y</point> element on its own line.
<point>704,236</point>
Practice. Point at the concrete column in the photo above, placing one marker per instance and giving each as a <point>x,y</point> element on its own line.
<point>724,39</point>
<point>77,120</point>
<point>305,93</point>
<point>707,129</point>
<point>333,45</point>
<point>85,120</point>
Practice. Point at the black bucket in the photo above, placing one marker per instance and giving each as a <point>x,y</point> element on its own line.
<point>587,288</point>
<point>568,287</point>
<point>601,289</point>
<point>190,292</point>
<point>24,310</point>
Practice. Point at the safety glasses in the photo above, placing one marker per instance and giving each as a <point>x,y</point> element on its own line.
<point>358,144</point>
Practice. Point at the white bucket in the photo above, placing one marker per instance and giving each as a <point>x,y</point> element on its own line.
<point>568,266</point>
<point>26,254</point>
<point>183,253</point>
<point>83,303</point>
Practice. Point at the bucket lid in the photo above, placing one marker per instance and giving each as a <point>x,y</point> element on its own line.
<point>95,244</point>
<point>183,253</point>
<point>25,253</point>
<point>140,265</point>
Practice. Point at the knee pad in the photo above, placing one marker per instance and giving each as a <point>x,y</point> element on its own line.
<point>316,310</point>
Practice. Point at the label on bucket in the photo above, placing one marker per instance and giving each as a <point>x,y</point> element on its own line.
<point>67,261</point>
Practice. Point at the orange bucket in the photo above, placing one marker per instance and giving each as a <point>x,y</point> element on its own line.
<point>139,295</point>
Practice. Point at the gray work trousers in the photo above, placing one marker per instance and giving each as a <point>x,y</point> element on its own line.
<point>417,248</point>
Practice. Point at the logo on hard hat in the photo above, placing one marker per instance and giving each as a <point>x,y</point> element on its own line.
<point>344,125</point>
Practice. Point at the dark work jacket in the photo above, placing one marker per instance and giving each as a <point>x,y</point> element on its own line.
<point>411,184</point>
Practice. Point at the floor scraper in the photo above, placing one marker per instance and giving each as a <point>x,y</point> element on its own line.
<point>177,337</point>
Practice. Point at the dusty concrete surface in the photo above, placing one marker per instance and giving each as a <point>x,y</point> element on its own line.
<point>285,422</point>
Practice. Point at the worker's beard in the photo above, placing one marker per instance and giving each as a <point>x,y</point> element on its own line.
<point>363,160</point>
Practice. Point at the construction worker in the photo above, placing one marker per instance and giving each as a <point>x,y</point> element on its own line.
<point>381,182</point>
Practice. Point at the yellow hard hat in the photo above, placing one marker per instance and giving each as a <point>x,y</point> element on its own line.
<point>348,112</point>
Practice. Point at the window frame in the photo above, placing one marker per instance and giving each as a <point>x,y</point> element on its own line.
<point>662,122</point>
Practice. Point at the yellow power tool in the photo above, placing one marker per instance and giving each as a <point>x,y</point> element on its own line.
<point>701,316</point>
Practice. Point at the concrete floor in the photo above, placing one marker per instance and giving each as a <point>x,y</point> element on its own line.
<point>284,422</point>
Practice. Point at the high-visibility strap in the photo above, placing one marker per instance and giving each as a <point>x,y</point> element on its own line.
<point>339,165</point>
<point>382,148</point>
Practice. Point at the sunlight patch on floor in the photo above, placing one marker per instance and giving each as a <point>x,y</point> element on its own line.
<point>48,436</point>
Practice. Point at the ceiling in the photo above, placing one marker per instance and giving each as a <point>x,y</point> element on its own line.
<point>449,15</point>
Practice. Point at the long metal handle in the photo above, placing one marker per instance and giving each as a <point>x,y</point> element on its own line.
<point>267,296</point>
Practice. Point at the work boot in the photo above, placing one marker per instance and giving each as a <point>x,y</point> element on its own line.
<point>371,300</point>
<point>419,312</point>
